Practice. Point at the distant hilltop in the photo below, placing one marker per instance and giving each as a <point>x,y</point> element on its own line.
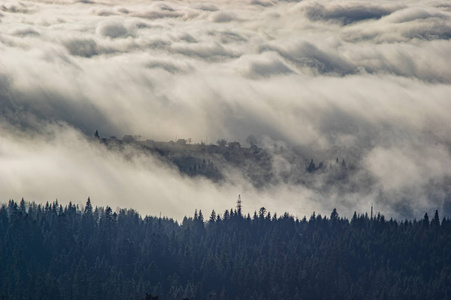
<point>180,143</point>
<point>258,165</point>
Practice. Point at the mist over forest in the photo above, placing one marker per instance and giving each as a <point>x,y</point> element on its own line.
<point>367,82</point>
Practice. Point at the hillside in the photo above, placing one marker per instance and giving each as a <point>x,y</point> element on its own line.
<point>262,166</point>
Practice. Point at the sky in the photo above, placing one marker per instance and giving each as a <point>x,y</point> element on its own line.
<point>370,78</point>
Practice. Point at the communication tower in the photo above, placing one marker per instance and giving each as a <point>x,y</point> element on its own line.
<point>238,205</point>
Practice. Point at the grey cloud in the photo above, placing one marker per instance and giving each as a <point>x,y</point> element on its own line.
<point>5,93</point>
<point>346,13</point>
<point>104,12</point>
<point>268,68</point>
<point>222,17</point>
<point>406,60</point>
<point>266,65</point>
<point>205,6</point>
<point>306,54</point>
<point>123,10</point>
<point>84,47</point>
<point>228,36</point>
<point>187,38</point>
<point>141,25</point>
<point>84,1</point>
<point>58,56</point>
<point>405,24</point>
<point>158,43</point>
<point>163,6</point>
<point>159,14</point>
<point>169,66</point>
<point>159,10</point>
<point>441,4</point>
<point>203,50</point>
<point>429,31</point>
<point>413,14</point>
<point>420,23</point>
<point>401,34</point>
<point>90,46</point>
<point>25,31</point>
<point>30,111</point>
<point>20,8</point>
<point>113,29</point>
<point>262,3</point>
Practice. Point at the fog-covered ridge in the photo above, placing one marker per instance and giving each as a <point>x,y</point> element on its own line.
<point>262,167</point>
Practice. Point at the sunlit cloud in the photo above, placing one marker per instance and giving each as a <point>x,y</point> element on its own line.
<point>369,82</point>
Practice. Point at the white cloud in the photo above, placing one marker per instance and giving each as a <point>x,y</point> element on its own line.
<point>408,167</point>
<point>370,81</point>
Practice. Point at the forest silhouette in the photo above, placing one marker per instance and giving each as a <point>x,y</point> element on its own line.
<point>53,251</point>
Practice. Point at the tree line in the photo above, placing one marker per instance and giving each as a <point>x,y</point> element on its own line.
<point>53,251</point>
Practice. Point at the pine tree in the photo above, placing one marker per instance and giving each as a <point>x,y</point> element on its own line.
<point>435,223</point>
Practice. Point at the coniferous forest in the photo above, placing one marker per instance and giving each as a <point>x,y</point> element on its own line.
<point>68,252</point>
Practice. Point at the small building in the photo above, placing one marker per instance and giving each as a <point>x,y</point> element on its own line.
<point>181,141</point>
<point>128,138</point>
<point>234,145</point>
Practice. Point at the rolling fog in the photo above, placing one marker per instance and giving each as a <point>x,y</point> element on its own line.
<point>368,80</point>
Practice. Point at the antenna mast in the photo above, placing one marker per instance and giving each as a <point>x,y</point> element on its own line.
<point>238,205</point>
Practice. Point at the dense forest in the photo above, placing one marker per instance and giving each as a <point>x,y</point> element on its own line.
<point>68,252</point>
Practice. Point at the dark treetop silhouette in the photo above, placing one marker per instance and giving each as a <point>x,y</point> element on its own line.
<point>66,252</point>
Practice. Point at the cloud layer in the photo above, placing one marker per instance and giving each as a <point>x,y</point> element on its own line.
<point>368,81</point>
